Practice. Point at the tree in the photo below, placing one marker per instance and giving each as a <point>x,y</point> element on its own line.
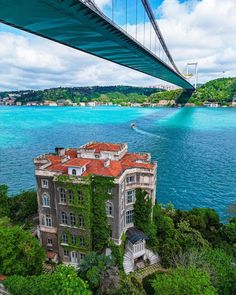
<point>92,268</point>
<point>189,237</point>
<point>20,252</point>
<point>63,281</point>
<point>4,201</point>
<point>23,206</point>
<point>183,281</point>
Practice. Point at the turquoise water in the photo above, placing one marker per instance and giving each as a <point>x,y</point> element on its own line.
<point>195,147</point>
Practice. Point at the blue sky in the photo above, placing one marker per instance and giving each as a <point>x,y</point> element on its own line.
<point>202,31</point>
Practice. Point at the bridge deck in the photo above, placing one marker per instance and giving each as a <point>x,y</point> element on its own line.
<point>72,23</point>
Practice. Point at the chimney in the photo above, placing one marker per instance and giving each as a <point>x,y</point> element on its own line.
<point>60,151</point>
<point>106,162</point>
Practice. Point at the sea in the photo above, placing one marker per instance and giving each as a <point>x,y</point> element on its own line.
<point>195,147</point>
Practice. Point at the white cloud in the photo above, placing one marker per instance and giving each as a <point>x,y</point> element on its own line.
<point>202,31</point>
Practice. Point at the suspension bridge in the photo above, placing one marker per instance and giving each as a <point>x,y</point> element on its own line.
<point>126,33</point>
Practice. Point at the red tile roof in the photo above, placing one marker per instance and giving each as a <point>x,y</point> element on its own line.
<point>103,146</point>
<point>96,166</point>
<point>77,162</point>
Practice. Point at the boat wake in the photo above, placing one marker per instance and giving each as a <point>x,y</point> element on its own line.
<point>145,132</point>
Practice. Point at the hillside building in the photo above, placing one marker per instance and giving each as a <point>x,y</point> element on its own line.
<point>68,183</point>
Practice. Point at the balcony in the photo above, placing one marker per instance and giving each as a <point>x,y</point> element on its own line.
<point>137,249</point>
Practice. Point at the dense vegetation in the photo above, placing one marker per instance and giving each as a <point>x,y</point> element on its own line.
<point>84,94</point>
<point>197,253</point>
<point>220,90</point>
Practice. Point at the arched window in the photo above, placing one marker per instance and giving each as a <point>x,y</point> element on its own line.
<point>80,197</point>
<point>72,219</point>
<point>64,239</point>
<point>109,209</point>
<point>81,221</point>
<point>62,196</point>
<point>63,218</point>
<point>74,172</point>
<point>71,196</point>
<point>129,216</point>
<point>46,200</point>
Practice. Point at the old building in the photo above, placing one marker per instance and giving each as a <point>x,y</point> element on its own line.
<point>70,181</point>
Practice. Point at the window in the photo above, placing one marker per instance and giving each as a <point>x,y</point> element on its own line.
<point>66,253</point>
<point>48,221</point>
<point>72,219</point>
<point>71,196</point>
<point>74,240</point>
<point>129,216</point>
<point>49,242</point>
<point>73,171</point>
<point>62,196</point>
<point>109,209</point>
<point>109,190</point>
<point>81,240</point>
<point>80,197</point>
<point>64,218</point>
<point>46,200</point>
<point>130,196</point>
<point>81,221</point>
<point>81,255</point>
<point>64,239</point>
<point>130,179</point>
<point>44,183</point>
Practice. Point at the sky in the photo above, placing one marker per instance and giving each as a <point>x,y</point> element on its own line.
<point>195,31</point>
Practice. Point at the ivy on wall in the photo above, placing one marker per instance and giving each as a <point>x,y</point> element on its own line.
<point>100,226</point>
<point>95,193</point>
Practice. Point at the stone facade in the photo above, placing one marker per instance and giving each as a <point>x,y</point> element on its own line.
<point>65,194</point>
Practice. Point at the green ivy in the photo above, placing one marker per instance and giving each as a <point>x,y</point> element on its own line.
<point>94,189</point>
<point>100,226</point>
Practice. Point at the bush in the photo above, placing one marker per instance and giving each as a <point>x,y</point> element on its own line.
<point>20,252</point>
<point>183,281</point>
<point>63,281</point>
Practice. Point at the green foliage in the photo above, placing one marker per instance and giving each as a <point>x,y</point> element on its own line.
<point>219,90</point>
<point>4,201</point>
<point>143,215</point>
<point>100,226</point>
<point>63,281</point>
<point>118,252</point>
<point>19,208</point>
<point>221,268</point>
<point>188,237</point>
<point>131,286</point>
<point>183,281</point>
<point>92,268</point>
<point>23,206</point>
<point>116,94</point>
<point>20,252</point>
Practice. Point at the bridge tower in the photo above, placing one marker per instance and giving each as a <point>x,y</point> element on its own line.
<point>188,75</point>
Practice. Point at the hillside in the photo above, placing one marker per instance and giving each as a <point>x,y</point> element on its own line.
<point>84,94</point>
<point>220,90</point>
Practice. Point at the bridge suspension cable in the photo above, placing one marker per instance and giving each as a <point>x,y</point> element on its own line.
<point>152,18</point>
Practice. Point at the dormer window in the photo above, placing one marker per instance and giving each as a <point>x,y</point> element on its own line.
<point>77,171</point>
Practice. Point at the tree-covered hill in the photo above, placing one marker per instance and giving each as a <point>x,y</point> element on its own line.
<point>82,94</point>
<point>220,90</point>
